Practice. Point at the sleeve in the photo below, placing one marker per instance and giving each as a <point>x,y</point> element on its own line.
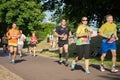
<point>102,29</point>
<point>57,30</point>
<point>89,28</point>
<point>8,33</point>
<point>115,28</point>
<point>78,30</point>
<point>24,36</point>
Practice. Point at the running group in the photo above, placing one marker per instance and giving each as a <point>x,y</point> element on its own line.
<point>83,34</point>
<point>15,39</point>
<point>107,31</point>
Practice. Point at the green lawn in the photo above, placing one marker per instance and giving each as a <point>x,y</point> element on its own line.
<point>95,42</point>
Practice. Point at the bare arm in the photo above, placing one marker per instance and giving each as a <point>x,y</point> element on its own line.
<point>101,34</point>
<point>57,35</point>
<point>116,35</point>
<point>70,33</point>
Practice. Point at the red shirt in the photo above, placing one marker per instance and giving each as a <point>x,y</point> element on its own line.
<point>33,40</point>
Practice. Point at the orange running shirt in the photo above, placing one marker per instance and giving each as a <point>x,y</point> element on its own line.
<point>13,35</point>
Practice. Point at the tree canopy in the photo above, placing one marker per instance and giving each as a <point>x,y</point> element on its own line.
<point>28,14</point>
<point>73,10</point>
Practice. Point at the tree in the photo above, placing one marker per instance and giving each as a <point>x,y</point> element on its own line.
<point>28,14</point>
<point>46,28</point>
<point>73,10</point>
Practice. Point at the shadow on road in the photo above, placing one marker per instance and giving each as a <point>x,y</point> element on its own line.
<point>111,76</point>
<point>79,67</point>
<point>20,60</point>
<point>97,67</point>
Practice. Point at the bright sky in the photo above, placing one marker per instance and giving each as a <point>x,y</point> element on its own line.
<point>48,15</point>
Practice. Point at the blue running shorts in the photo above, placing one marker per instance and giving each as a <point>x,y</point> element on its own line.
<point>108,46</point>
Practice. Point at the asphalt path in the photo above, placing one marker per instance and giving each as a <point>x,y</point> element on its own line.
<point>43,68</point>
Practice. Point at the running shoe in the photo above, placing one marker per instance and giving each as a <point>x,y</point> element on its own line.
<point>102,68</point>
<point>13,62</point>
<point>21,56</point>
<point>114,70</point>
<point>66,63</point>
<point>73,65</point>
<point>60,61</point>
<point>87,71</point>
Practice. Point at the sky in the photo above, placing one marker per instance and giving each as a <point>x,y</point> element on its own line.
<point>48,15</point>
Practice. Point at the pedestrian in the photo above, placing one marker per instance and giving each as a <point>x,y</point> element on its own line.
<point>109,33</point>
<point>13,35</point>
<point>63,32</point>
<point>83,35</point>
<point>21,40</point>
<point>33,42</point>
<point>28,43</point>
<point>5,43</point>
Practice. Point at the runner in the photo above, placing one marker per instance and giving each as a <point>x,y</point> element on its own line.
<point>21,40</point>
<point>33,42</point>
<point>109,33</point>
<point>5,43</point>
<point>28,43</point>
<point>62,32</point>
<point>13,35</point>
<point>82,44</point>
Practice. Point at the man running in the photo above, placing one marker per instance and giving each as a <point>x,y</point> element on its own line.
<point>109,33</point>
<point>5,43</point>
<point>21,40</point>
<point>28,43</point>
<point>63,32</point>
<point>13,35</point>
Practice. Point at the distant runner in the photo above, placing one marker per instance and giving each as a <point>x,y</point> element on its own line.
<point>21,40</point>
<point>33,42</point>
<point>28,43</point>
<point>5,43</point>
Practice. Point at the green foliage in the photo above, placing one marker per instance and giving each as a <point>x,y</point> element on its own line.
<point>73,10</point>
<point>28,14</point>
<point>46,28</point>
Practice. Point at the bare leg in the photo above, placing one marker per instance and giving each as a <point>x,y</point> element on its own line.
<point>102,58</point>
<point>87,64</point>
<point>113,57</point>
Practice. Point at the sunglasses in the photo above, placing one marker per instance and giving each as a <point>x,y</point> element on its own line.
<point>84,20</point>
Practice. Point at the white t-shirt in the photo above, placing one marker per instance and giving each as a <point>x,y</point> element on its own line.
<point>21,39</point>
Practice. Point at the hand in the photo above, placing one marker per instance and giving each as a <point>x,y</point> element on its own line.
<point>61,36</point>
<point>116,38</point>
<point>65,37</point>
<point>108,37</point>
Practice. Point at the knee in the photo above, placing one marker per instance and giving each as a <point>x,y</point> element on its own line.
<point>11,52</point>
<point>114,55</point>
<point>103,55</point>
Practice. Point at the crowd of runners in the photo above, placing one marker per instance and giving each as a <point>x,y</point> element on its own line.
<point>15,39</point>
<point>107,31</point>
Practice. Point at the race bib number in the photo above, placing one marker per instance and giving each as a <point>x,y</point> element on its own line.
<point>85,40</point>
<point>111,40</point>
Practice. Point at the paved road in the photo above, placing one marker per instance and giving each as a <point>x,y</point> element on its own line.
<point>43,68</point>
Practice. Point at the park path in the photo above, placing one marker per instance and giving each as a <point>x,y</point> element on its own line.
<point>44,68</point>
